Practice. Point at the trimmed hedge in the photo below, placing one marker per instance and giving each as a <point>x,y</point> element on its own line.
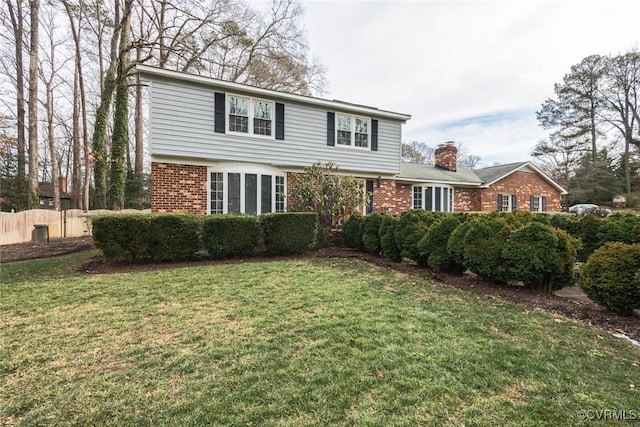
<point>388,239</point>
<point>161,237</point>
<point>483,243</point>
<point>371,233</point>
<point>541,256</point>
<point>411,228</point>
<point>611,277</point>
<point>290,232</point>
<point>433,246</point>
<point>229,236</point>
<point>352,230</point>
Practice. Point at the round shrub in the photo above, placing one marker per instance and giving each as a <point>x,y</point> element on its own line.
<point>230,236</point>
<point>290,232</point>
<point>455,244</point>
<point>483,244</point>
<point>541,256</point>
<point>620,227</point>
<point>433,246</point>
<point>588,231</point>
<point>371,233</point>
<point>411,228</point>
<point>611,277</point>
<point>352,231</point>
<point>388,239</point>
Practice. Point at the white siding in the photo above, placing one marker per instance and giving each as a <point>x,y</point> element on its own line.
<point>182,125</point>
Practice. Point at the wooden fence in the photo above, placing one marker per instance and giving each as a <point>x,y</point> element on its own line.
<point>19,227</point>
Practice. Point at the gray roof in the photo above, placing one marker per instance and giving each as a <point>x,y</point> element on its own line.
<point>422,172</point>
<point>494,173</point>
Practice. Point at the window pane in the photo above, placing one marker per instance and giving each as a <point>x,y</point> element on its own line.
<point>362,126</point>
<point>234,193</point>
<point>344,122</point>
<point>238,106</point>
<point>428,199</point>
<point>279,193</point>
<point>217,193</point>
<point>362,140</point>
<point>262,110</point>
<point>437,205</point>
<point>451,200</point>
<point>417,197</point>
<point>251,194</point>
<point>445,199</point>
<point>262,127</point>
<point>344,137</point>
<point>265,194</point>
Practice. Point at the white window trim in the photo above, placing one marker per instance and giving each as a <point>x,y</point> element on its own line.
<point>352,144</point>
<point>509,202</point>
<point>450,202</point>
<point>243,170</point>
<point>539,210</point>
<point>250,111</point>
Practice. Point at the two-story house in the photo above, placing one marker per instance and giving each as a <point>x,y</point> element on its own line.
<point>223,147</point>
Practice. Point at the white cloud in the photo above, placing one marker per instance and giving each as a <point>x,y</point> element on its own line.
<point>446,62</point>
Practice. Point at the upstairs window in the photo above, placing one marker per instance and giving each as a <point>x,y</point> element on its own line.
<point>250,116</point>
<point>352,131</point>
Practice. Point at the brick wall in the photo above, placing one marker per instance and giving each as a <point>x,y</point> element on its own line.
<point>446,156</point>
<point>523,185</point>
<point>466,199</point>
<point>178,188</point>
<point>391,197</point>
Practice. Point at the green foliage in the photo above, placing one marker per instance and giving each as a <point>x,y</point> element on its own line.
<point>433,246</point>
<point>122,236</point>
<point>320,189</point>
<point>289,233</point>
<point>588,231</point>
<point>483,243</point>
<point>620,227</point>
<point>161,237</point>
<point>611,277</point>
<point>541,256</point>
<point>564,221</point>
<point>352,230</point>
<point>371,233</point>
<point>456,242</point>
<point>117,159</point>
<point>13,194</point>
<point>229,236</point>
<point>411,228</point>
<point>388,239</point>
<point>633,200</point>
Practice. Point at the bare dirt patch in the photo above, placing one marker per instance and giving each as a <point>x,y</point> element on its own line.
<point>573,308</point>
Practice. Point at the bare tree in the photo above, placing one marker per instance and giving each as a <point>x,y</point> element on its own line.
<point>34,11</point>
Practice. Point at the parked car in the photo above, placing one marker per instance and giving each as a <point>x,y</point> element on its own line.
<point>582,209</point>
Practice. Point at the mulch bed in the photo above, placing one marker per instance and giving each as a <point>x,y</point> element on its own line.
<point>584,311</point>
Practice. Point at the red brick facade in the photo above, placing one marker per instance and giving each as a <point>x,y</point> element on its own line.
<point>523,185</point>
<point>178,188</point>
<point>183,188</point>
<point>446,157</point>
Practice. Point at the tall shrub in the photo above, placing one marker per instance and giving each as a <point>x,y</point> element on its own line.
<point>611,277</point>
<point>541,256</point>
<point>352,230</point>
<point>411,228</point>
<point>588,231</point>
<point>228,236</point>
<point>483,244</point>
<point>289,233</point>
<point>433,246</point>
<point>388,239</point>
<point>371,233</point>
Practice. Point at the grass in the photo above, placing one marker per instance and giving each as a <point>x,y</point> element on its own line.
<point>290,343</point>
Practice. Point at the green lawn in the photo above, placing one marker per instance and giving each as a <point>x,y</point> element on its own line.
<point>290,343</point>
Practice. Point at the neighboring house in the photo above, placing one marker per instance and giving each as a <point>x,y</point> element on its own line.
<point>45,191</point>
<point>222,147</point>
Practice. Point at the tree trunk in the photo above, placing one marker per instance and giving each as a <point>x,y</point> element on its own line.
<point>33,201</point>
<point>118,172</point>
<point>17,22</point>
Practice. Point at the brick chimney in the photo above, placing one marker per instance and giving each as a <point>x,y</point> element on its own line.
<point>63,184</point>
<point>447,156</point>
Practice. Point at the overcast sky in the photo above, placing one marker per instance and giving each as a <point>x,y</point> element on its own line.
<point>473,71</point>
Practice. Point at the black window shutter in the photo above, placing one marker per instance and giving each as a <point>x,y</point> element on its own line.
<point>499,202</point>
<point>374,135</point>
<point>279,120</point>
<point>544,204</point>
<point>219,105</point>
<point>531,202</point>
<point>514,202</point>
<point>331,129</point>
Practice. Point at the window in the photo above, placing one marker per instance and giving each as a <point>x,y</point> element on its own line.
<point>433,198</point>
<point>250,193</point>
<point>417,198</point>
<point>352,131</point>
<point>250,116</point>
<point>538,204</point>
<point>507,202</point>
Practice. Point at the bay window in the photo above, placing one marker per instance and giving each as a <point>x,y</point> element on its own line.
<point>243,192</point>
<point>433,198</point>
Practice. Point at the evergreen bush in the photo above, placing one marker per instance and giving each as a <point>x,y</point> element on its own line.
<point>388,239</point>
<point>352,230</point>
<point>433,246</point>
<point>611,277</point>
<point>290,232</point>
<point>230,236</point>
<point>371,233</point>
